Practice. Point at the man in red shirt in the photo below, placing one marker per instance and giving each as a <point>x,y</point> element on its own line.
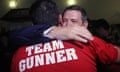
<point>65,56</point>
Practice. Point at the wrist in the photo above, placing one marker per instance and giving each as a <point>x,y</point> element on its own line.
<point>50,32</point>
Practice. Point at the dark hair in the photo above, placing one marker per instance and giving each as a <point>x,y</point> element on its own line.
<point>78,8</point>
<point>102,23</point>
<point>97,24</point>
<point>44,12</point>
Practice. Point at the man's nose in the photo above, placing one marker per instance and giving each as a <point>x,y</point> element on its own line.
<point>69,22</point>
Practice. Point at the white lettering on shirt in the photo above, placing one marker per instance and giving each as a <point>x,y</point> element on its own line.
<point>46,54</point>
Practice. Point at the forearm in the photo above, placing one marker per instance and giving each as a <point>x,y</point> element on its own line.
<point>71,33</point>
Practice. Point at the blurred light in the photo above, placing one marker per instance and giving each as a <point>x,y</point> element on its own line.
<point>71,2</point>
<point>12,4</point>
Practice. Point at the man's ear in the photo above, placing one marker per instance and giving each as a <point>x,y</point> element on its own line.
<point>85,24</point>
<point>60,20</point>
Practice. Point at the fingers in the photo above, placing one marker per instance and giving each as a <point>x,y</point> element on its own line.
<point>78,33</point>
<point>72,33</point>
<point>83,33</point>
<point>78,38</point>
<point>86,35</point>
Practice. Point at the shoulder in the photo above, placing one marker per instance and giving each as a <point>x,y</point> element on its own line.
<point>100,43</point>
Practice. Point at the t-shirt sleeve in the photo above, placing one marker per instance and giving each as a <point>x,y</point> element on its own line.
<point>106,52</point>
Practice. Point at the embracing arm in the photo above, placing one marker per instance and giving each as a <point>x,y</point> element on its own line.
<point>75,32</point>
<point>35,34</point>
<point>106,52</point>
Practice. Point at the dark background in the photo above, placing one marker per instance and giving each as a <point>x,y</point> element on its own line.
<point>108,9</point>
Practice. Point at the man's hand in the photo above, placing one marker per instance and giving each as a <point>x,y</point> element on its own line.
<point>71,33</point>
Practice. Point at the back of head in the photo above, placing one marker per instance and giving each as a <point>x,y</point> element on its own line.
<point>44,12</point>
<point>78,8</point>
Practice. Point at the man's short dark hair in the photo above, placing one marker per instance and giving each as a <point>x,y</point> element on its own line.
<point>44,12</point>
<point>78,8</point>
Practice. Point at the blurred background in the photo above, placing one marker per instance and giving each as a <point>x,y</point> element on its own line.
<point>14,13</point>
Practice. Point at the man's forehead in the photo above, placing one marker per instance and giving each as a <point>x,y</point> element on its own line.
<point>75,11</point>
<point>72,13</point>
